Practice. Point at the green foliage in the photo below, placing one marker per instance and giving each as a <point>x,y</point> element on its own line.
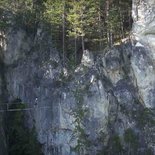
<point>54,11</point>
<point>82,140</point>
<point>146,117</point>
<point>79,114</point>
<point>149,152</point>
<point>131,138</point>
<point>81,17</point>
<point>3,21</point>
<point>114,146</point>
<point>24,13</point>
<point>78,96</point>
<point>21,140</point>
<point>26,20</point>
<point>89,19</point>
<point>3,25</point>
<point>71,22</point>
<point>113,20</point>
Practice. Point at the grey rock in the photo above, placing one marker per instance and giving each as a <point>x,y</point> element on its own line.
<point>108,96</point>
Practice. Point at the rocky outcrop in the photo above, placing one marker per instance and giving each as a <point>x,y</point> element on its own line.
<point>3,99</point>
<point>104,106</point>
<point>3,144</point>
<point>93,110</point>
<point>143,14</point>
<point>143,51</point>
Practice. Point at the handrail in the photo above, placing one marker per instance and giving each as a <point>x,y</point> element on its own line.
<point>20,109</point>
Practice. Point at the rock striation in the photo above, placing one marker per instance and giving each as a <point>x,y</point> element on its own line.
<point>105,106</point>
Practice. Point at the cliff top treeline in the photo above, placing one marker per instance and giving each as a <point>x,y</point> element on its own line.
<point>74,23</point>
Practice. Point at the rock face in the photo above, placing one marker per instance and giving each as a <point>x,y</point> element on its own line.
<point>143,52</point>
<point>3,141</point>
<point>3,145</point>
<point>105,106</point>
<point>143,14</point>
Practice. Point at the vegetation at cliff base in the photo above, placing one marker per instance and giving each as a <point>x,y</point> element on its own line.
<point>21,139</point>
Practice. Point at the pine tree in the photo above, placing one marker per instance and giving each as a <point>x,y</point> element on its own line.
<point>73,21</point>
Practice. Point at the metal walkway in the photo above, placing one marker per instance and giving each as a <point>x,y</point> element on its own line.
<point>8,109</point>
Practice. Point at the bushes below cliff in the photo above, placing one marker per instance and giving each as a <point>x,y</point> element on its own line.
<point>21,140</point>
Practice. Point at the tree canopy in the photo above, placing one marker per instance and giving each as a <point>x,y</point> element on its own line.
<point>74,23</point>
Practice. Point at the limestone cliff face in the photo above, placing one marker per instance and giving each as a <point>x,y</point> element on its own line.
<point>143,14</point>
<point>143,31</point>
<point>105,106</point>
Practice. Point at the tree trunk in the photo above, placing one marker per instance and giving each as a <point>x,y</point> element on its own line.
<point>111,38</point>
<point>121,21</point>
<point>107,15</point>
<point>82,41</point>
<point>63,33</point>
<point>100,30</point>
<point>75,49</point>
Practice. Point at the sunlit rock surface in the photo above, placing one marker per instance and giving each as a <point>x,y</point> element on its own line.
<point>142,60</point>
<point>143,14</point>
<point>104,106</point>
<point>86,111</point>
<point>144,24</point>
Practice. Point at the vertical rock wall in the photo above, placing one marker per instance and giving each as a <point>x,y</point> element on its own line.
<point>143,63</point>
<point>3,99</point>
<point>105,106</point>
